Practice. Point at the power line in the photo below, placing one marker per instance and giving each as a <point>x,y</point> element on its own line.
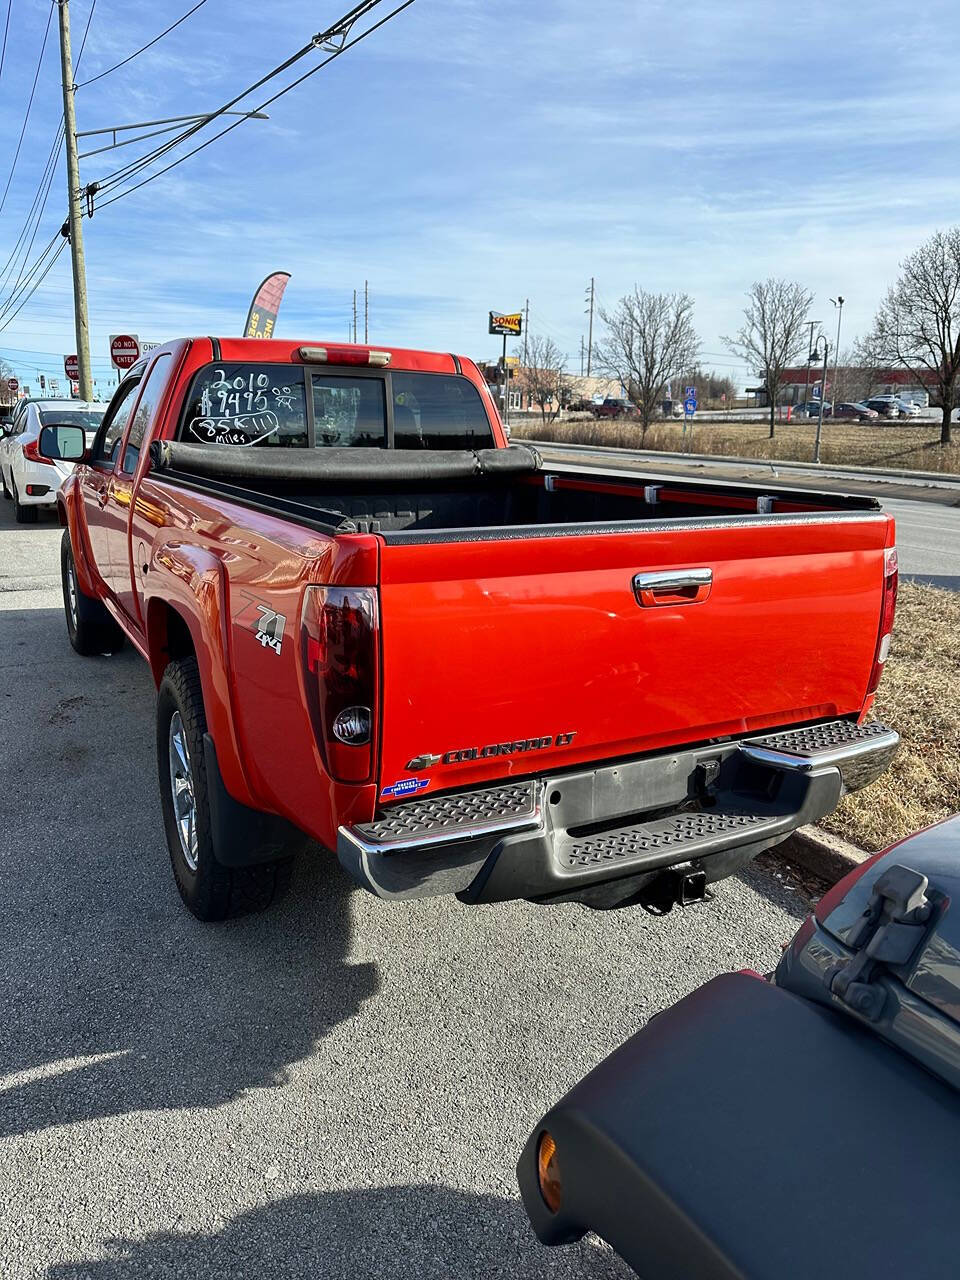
<point>26,117</point>
<point>60,248</point>
<point>342,26</point>
<point>14,295</point>
<point>47,177</point>
<point>143,48</point>
<point>6,28</point>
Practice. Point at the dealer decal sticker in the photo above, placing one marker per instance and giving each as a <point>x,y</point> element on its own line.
<point>406,787</point>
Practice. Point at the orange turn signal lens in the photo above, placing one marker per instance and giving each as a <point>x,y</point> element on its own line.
<point>548,1172</point>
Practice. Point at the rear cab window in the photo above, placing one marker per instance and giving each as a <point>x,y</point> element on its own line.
<point>270,406</point>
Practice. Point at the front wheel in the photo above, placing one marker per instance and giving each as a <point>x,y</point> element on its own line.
<point>91,629</point>
<point>209,889</point>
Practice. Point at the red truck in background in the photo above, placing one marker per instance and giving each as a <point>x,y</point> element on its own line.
<point>373,623</point>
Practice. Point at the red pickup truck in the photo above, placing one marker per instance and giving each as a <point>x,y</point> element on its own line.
<point>373,623</point>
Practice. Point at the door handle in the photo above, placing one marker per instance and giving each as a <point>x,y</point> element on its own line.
<point>672,586</point>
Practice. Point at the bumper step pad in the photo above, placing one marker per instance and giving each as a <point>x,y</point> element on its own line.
<point>681,833</point>
<point>861,753</point>
<point>455,816</point>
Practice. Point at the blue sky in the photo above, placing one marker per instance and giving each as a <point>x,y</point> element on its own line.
<point>474,153</point>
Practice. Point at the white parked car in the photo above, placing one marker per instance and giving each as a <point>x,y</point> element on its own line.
<point>31,481</point>
<point>908,409</point>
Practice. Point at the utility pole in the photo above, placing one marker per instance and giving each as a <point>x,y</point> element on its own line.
<point>75,219</point>
<point>506,385</point>
<point>366,312</point>
<point>354,315</point>
<point>526,328</point>
<point>590,294</point>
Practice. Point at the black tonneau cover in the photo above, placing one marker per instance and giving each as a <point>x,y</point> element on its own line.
<point>341,466</point>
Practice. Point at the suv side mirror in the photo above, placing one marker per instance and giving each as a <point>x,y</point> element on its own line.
<point>62,443</point>
<point>5,429</point>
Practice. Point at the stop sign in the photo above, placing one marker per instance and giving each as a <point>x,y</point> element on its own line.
<point>13,384</point>
<point>71,367</point>
<point>124,350</point>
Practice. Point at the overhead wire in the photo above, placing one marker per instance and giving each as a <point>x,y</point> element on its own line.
<point>26,117</point>
<point>7,319</point>
<point>6,28</point>
<point>49,173</point>
<point>143,48</point>
<point>322,40</point>
<point>342,25</point>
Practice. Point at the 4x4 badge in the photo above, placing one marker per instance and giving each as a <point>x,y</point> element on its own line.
<point>269,628</point>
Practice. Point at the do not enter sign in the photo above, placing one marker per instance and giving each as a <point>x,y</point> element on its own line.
<point>124,350</point>
<point>71,367</point>
<point>13,384</point>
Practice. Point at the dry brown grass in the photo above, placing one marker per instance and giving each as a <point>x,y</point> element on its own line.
<point>896,446</point>
<point>919,696</point>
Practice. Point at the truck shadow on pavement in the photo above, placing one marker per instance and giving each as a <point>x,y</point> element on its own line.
<point>113,997</point>
<point>427,1231</point>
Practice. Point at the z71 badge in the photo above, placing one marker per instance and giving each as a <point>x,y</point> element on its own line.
<point>269,628</point>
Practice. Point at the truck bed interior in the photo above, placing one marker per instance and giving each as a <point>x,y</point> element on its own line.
<point>405,496</point>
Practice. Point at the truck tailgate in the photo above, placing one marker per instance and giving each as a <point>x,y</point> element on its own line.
<point>505,656</point>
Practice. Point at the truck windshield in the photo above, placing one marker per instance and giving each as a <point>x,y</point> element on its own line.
<point>265,405</point>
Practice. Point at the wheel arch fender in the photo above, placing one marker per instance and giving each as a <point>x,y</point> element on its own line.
<point>70,516</point>
<point>186,612</point>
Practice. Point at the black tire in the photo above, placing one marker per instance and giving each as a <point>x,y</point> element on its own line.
<point>210,890</point>
<point>91,629</point>
<point>3,485</point>
<point>22,515</point>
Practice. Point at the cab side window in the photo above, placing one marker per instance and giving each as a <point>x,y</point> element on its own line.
<point>152,395</point>
<point>114,424</point>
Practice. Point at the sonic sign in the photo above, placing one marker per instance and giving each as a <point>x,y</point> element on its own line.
<point>509,326</point>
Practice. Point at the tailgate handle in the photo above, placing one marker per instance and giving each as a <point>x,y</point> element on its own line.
<point>672,586</point>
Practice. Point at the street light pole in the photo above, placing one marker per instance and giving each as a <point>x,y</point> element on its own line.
<point>823,387</point>
<point>838,303</point>
<point>75,220</point>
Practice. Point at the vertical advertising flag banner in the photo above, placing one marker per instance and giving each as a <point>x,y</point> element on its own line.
<point>262,316</point>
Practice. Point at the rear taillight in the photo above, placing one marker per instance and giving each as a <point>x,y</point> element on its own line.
<point>339,639</point>
<point>888,609</point>
<point>31,450</point>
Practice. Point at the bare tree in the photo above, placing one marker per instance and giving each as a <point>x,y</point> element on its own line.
<point>7,398</point>
<point>772,336</point>
<point>649,339</point>
<point>541,376</point>
<point>918,324</point>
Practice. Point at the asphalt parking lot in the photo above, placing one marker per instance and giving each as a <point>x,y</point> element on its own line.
<point>336,1088</point>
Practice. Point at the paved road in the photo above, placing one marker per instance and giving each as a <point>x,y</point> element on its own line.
<point>928,519</point>
<point>338,1088</point>
<point>928,541</point>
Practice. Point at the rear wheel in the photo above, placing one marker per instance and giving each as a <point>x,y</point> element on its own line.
<point>90,628</point>
<point>22,514</point>
<point>209,889</point>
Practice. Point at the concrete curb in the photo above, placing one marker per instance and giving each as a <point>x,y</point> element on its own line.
<point>932,479</point>
<point>821,852</point>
